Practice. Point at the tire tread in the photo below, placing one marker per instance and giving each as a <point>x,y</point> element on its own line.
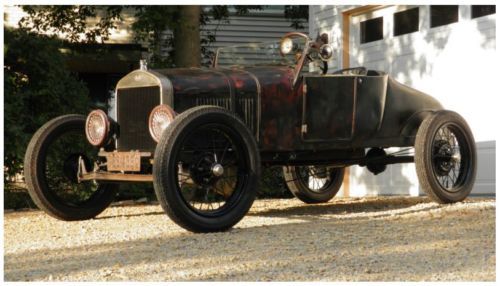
<point>31,162</point>
<point>423,163</point>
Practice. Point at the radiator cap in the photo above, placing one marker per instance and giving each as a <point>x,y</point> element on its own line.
<point>143,65</point>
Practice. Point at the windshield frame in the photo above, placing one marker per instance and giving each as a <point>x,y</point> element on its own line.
<point>256,45</point>
<point>300,62</point>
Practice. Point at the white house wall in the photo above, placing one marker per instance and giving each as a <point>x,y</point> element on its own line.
<point>267,25</point>
<point>264,25</point>
<point>453,63</point>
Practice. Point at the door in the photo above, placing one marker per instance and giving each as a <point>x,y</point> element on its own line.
<point>328,110</point>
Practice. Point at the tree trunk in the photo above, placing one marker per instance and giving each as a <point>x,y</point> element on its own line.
<point>187,37</point>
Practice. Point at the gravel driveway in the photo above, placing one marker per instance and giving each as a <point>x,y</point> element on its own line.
<point>395,238</point>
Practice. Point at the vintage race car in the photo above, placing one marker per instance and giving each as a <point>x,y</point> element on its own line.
<point>201,135</point>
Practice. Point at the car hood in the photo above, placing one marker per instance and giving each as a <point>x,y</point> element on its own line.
<point>225,81</point>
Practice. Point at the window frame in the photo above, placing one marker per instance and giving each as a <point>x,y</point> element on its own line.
<point>483,15</point>
<point>362,30</point>
<point>432,25</point>
<point>395,14</point>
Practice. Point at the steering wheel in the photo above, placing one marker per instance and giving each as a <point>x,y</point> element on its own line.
<point>287,46</point>
<point>352,71</point>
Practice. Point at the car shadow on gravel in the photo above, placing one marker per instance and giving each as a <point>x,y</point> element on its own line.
<point>333,207</point>
<point>129,215</point>
<point>364,205</point>
<point>340,206</point>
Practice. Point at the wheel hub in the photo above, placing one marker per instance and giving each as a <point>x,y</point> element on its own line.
<point>319,172</point>
<point>217,170</point>
<point>206,172</point>
<point>445,157</point>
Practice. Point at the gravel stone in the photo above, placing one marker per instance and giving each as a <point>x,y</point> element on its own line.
<point>358,239</point>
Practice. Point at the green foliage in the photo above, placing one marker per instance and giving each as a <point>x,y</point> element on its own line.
<point>37,88</point>
<point>272,184</point>
<point>136,191</point>
<point>72,20</point>
<point>150,24</point>
<point>152,21</point>
<point>17,199</point>
<point>297,15</point>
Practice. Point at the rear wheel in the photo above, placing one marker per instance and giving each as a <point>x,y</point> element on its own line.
<point>51,166</point>
<point>445,157</point>
<point>313,184</point>
<point>206,169</point>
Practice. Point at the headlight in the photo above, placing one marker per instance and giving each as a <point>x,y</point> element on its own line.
<point>97,127</point>
<point>159,119</point>
<point>286,46</point>
<point>325,52</point>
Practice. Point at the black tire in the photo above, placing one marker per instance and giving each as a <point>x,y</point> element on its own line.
<point>191,145</point>
<point>297,181</point>
<point>49,170</point>
<point>445,157</point>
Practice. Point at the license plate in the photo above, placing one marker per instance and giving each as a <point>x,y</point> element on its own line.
<point>124,161</point>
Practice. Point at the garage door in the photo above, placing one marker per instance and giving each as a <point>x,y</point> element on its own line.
<point>420,48</point>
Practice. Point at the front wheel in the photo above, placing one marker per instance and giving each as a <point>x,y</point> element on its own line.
<point>206,169</point>
<point>445,157</point>
<point>313,184</point>
<point>51,166</point>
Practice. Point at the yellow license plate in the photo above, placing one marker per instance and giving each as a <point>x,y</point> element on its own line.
<point>124,161</point>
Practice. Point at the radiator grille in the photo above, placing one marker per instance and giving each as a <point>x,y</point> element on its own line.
<point>222,102</point>
<point>246,109</point>
<point>134,106</point>
<point>183,103</point>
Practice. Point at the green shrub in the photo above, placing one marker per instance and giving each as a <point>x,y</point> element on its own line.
<point>136,191</point>
<point>272,184</point>
<point>17,199</point>
<point>37,88</point>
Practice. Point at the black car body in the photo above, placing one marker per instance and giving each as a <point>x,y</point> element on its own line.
<point>322,112</point>
<point>314,124</point>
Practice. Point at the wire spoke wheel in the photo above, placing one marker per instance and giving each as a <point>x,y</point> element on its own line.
<point>315,178</point>
<point>206,169</point>
<point>211,168</point>
<point>445,157</point>
<point>448,151</point>
<point>313,184</point>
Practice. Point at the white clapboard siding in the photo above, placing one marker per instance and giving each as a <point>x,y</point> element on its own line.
<point>267,25</point>
<point>264,25</point>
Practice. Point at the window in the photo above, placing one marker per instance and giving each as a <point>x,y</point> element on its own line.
<point>443,15</point>
<point>482,10</point>
<point>372,30</point>
<point>406,22</point>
